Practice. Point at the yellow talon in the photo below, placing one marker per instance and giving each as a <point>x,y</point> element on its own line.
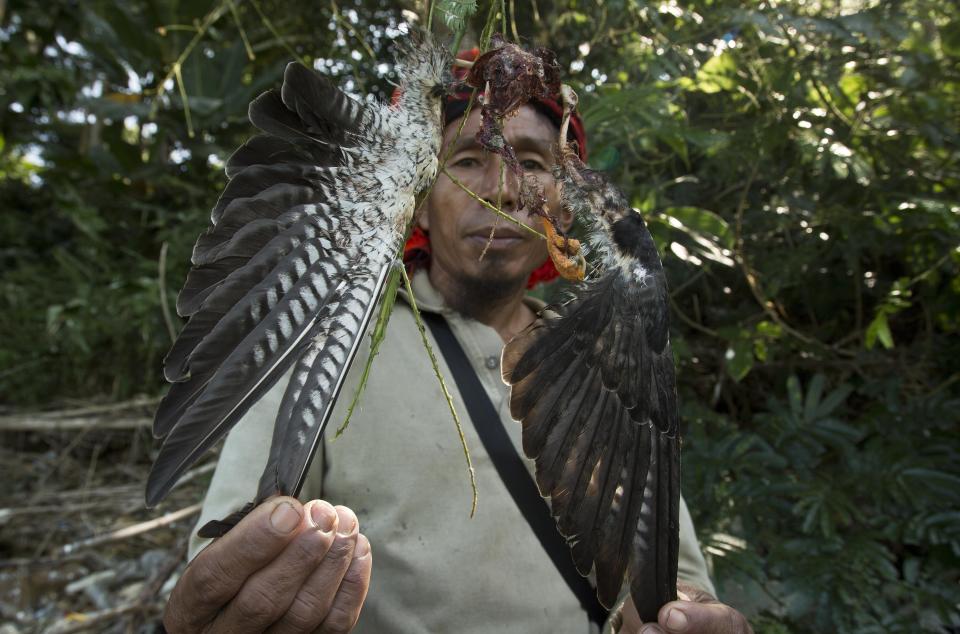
<point>565,253</point>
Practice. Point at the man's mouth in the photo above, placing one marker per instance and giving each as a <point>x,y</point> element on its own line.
<point>498,238</point>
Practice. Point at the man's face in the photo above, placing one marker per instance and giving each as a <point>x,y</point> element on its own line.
<point>460,226</point>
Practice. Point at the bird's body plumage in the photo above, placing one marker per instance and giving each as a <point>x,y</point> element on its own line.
<point>289,272</point>
<point>594,388</point>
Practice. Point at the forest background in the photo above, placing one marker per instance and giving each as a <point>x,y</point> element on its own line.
<point>797,163</point>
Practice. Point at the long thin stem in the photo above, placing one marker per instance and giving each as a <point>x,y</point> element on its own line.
<point>477,198</point>
<point>205,25</point>
<point>457,39</point>
<point>338,17</point>
<point>487,31</point>
<point>379,333</point>
<point>456,137</point>
<point>496,221</point>
<point>185,99</point>
<point>243,33</point>
<point>448,154</point>
<point>513,22</point>
<point>443,387</point>
<point>266,22</point>
<point>162,284</point>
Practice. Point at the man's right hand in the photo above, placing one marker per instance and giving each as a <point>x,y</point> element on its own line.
<point>285,567</point>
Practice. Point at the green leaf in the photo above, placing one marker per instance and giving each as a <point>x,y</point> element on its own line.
<point>572,17</point>
<point>203,106</point>
<point>760,350</point>
<point>814,391</point>
<point>700,231</point>
<point>853,86</point>
<point>795,395</point>
<point>701,223</point>
<point>835,432</point>
<point>950,39</point>
<point>769,329</point>
<point>606,159</point>
<point>911,570</point>
<point>879,329</point>
<point>739,359</point>
<point>454,13</point>
<point>833,401</point>
<point>53,319</point>
<point>716,74</point>
<point>939,482</point>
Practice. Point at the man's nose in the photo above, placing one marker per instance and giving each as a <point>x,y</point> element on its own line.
<point>491,189</point>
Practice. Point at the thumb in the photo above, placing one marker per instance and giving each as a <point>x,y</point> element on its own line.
<point>685,617</point>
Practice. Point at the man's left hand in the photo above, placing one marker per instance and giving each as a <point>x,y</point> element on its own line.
<point>697,612</point>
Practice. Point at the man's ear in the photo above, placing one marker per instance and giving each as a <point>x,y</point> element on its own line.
<point>423,219</point>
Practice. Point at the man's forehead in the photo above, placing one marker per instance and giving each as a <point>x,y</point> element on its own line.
<point>528,129</point>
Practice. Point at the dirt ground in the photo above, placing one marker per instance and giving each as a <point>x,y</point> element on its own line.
<point>78,549</point>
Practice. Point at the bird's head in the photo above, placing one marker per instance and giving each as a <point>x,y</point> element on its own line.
<point>589,194</point>
<point>424,69</point>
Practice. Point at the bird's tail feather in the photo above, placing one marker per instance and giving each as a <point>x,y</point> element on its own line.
<point>657,544</point>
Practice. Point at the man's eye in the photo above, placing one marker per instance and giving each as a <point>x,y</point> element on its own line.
<point>466,162</point>
<point>533,164</point>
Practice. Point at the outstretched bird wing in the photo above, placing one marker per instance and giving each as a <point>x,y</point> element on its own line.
<point>285,275</point>
<point>594,389</point>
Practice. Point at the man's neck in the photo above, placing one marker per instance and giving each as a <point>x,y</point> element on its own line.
<point>501,308</point>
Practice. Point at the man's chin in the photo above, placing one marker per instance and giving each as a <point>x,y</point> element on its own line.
<point>495,271</point>
<point>487,285</point>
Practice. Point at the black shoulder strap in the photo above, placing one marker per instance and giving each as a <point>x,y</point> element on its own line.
<point>510,466</point>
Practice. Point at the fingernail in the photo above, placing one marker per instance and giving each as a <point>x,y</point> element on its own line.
<point>322,516</point>
<point>285,518</point>
<point>347,521</point>
<point>363,547</point>
<point>676,620</point>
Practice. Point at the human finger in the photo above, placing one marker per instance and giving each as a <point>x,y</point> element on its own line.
<point>317,593</point>
<point>215,576</point>
<point>685,617</point>
<point>267,594</point>
<point>346,606</point>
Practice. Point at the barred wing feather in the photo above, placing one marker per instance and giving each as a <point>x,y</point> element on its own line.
<point>276,271</point>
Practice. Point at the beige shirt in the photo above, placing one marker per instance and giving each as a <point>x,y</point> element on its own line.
<point>399,465</point>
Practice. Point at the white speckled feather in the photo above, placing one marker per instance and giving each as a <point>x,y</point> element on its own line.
<point>293,264</point>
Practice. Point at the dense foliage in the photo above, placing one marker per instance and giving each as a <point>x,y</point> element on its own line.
<point>797,162</point>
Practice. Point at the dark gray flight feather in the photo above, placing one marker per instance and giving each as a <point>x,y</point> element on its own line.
<point>291,268</point>
<point>594,389</point>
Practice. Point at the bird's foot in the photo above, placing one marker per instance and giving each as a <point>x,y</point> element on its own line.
<point>565,252</point>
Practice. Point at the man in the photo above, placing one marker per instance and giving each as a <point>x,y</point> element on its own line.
<point>293,567</point>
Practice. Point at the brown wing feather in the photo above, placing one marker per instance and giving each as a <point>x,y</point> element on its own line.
<point>594,390</point>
